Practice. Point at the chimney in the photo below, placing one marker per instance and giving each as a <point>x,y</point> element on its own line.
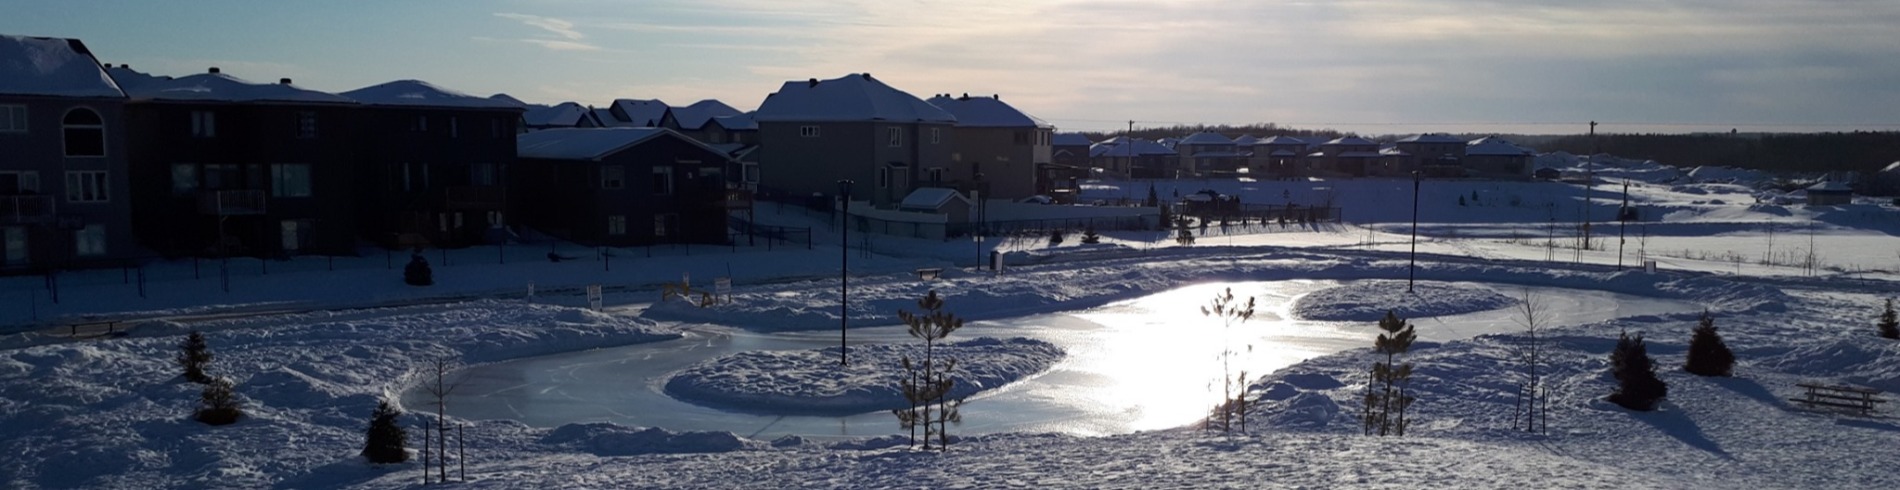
<point>966,96</point>
<point>997,97</point>
<point>284,81</point>
<point>867,76</point>
<point>214,69</point>
<point>811,83</point>
<point>125,66</point>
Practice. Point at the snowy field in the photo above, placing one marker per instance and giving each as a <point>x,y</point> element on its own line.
<point>311,350</point>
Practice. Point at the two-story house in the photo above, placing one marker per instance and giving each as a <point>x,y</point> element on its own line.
<point>1433,154</point>
<point>63,179</point>
<point>222,166</point>
<point>1208,153</point>
<point>1279,157</point>
<point>815,133</point>
<point>621,186</point>
<point>431,164</point>
<point>998,148</point>
<point>1134,157</point>
<point>1349,156</point>
<point>1495,157</point>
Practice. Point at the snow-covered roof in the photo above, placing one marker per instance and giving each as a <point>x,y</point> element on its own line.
<point>1891,168</point>
<point>1358,154</point>
<point>1349,140</point>
<point>1123,147</point>
<point>52,67</point>
<point>1283,153</point>
<point>417,93</point>
<point>854,97</point>
<point>636,112</point>
<point>1431,138</point>
<point>1070,139</point>
<point>509,99</point>
<point>739,122</point>
<point>697,115</point>
<point>1830,186</point>
<point>1246,140</point>
<point>1205,138</point>
<point>929,198</point>
<point>219,87</point>
<point>1495,146</point>
<point>985,112</point>
<point>1393,151</point>
<point>568,114</point>
<point>591,143</point>
<point>1281,140</point>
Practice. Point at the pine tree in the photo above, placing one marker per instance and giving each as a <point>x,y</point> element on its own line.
<point>1708,356</point>
<point>1089,237</point>
<point>1387,401</point>
<point>1153,200</point>
<point>1889,327</point>
<point>926,384</point>
<point>218,404</point>
<point>1055,237</point>
<point>1165,221</point>
<point>1461,200</point>
<point>1182,234</point>
<point>194,357</point>
<point>418,273</point>
<point>385,441</point>
<point>1637,388</point>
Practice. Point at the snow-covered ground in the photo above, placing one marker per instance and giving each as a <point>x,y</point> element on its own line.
<point>814,380</point>
<point>1370,301</point>
<point>111,412</point>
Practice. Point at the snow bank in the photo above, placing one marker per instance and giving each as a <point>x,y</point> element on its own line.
<point>603,439</point>
<point>810,381</point>
<point>1369,300</point>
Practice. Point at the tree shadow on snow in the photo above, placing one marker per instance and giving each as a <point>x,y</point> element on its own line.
<point>1676,423</point>
<point>1867,424</point>
<point>347,472</point>
<point>1751,389</point>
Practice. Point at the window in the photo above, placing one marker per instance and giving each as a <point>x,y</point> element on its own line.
<point>85,133</point>
<point>936,135</point>
<point>662,180</point>
<point>223,176</point>
<point>453,131</point>
<point>482,174</point>
<point>307,124</point>
<point>883,177</point>
<point>294,234</point>
<point>86,186</point>
<point>808,131</point>
<point>19,182</point>
<point>290,180</point>
<point>896,136</point>
<point>12,119</point>
<point>617,224</point>
<point>934,173</point>
<point>420,124</point>
<point>1022,137</point>
<point>494,128</point>
<point>90,241</point>
<point>665,224</point>
<point>184,179</point>
<point>752,173</point>
<point>415,176</point>
<point>204,124</point>
<point>613,177</point>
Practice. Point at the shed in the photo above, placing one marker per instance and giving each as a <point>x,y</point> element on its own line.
<point>937,200</point>
<point>1830,193</point>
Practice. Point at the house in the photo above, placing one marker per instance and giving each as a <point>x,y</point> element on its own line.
<point>431,165</point>
<point>813,134</point>
<point>1070,149</point>
<point>64,199</point>
<point>636,113</point>
<point>562,115</point>
<point>1349,156</point>
<point>1497,158</point>
<point>1886,182</point>
<point>998,148</point>
<point>621,186</point>
<point>1278,157</point>
<point>1134,158</point>
<point>1830,193</point>
<point>1432,154</point>
<point>222,166</point>
<point>1207,153</point>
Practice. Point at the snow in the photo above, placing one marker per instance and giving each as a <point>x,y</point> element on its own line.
<point>1205,138</point>
<point>1495,146</point>
<point>985,112</point>
<point>1368,301</point>
<point>696,116</point>
<point>1431,138</point>
<point>1070,139</point>
<point>1282,140</point>
<point>565,114</point>
<point>221,87</point>
<point>1349,141</point>
<point>585,143</point>
<point>742,122</point>
<point>638,112</point>
<point>854,97</point>
<point>52,67</point>
<point>811,381</point>
<point>928,198</point>
<point>422,94</point>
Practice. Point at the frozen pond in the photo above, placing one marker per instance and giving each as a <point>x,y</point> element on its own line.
<point>1141,364</point>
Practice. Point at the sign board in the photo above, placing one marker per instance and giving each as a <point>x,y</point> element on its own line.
<point>593,296</point>
<point>722,286</point>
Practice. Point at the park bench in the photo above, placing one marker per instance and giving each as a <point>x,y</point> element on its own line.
<point>111,326</point>
<point>1857,398</point>
<point>929,273</point>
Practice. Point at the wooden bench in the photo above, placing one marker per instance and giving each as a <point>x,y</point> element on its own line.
<point>929,273</point>
<point>1857,398</point>
<point>111,326</point>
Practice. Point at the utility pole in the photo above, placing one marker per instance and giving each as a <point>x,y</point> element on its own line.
<point>1412,272</point>
<point>844,267</point>
<point>1589,183</point>
<point>1622,223</point>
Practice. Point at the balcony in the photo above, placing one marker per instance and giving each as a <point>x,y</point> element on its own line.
<point>476,197</point>
<point>21,210</point>
<point>242,202</point>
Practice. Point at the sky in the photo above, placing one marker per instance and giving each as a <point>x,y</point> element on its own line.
<point>1368,66</point>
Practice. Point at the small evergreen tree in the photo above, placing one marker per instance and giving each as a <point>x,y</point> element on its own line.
<point>1386,399</point>
<point>418,273</point>
<point>194,357</point>
<point>1165,221</point>
<point>1233,405</point>
<point>1055,237</point>
<point>926,384</point>
<point>1889,327</point>
<point>1153,200</point>
<point>1461,200</point>
<point>1089,236</point>
<point>1708,356</point>
<point>1637,388</point>
<point>385,441</point>
<point>1182,234</point>
<point>218,404</point>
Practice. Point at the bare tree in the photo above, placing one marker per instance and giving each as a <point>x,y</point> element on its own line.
<point>439,388</point>
<point>1530,414</point>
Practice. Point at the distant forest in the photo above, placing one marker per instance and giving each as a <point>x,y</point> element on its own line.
<point>1858,151</point>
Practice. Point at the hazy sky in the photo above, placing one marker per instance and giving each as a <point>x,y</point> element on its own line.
<point>1375,66</point>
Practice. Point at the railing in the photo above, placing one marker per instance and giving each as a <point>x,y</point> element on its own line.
<point>475,197</point>
<point>15,210</point>
<point>232,202</point>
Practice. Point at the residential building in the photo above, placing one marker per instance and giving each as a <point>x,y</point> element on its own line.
<point>1209,154</point>
<point>562,115</point>
<point>1068,166</point>
<point>222,166</point>
<point>1349,156</point>
<point>1134,158</point>
<point>813,133</point>
<point>432,164</point>
<point>1497,158</point>
<point>621,186</point>
<point>64,199</point>
<point>998,148</point>
<point>1279,157</point>
<point>1432,154</point>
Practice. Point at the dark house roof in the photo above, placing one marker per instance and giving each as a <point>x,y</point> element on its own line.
<point>854,97</point>
<point>592,144</point>
<point>986,112</point>
<point>417,93</point>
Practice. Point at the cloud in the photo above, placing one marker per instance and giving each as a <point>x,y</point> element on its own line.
<point>568,39</point>
<point>558,45</point>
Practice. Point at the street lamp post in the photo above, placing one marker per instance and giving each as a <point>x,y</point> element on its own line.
<point>844,270</point>
<point>1412,272</point>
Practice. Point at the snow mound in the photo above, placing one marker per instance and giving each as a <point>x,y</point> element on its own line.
<point>1365,301</point>
<point>810,381</point>
<point>605,439</point>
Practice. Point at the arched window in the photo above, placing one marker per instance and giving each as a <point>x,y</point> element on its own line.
<point>85,133</point>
